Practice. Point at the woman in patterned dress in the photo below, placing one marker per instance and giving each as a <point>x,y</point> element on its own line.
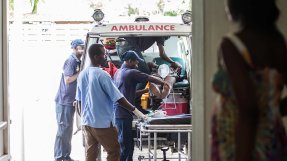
<point>252,71</point>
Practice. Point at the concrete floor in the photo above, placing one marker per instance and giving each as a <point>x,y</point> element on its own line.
<point>78,152</point>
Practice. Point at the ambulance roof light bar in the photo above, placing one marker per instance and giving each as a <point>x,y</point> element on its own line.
<point>98,15</point>
<point>186,17</point>
<point>141,19</point>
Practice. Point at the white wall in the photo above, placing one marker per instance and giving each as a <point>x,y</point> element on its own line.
<point>209,26</point>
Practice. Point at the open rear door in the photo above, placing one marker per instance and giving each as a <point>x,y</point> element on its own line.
<point>4,109</point>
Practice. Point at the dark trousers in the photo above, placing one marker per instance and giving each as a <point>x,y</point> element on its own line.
<point>65,119</point>
<point>125,137</point>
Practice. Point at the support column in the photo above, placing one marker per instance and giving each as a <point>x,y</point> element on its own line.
<point>283,28</point>
<point>208,27</point>
<point>4,108</point>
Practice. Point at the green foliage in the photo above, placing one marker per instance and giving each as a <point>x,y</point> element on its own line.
<point>160,6</point>
<point>11,5</point>
<point>96,4</point>
<point>34,4</point>
<point>170,13</point>
<point>132,11</point>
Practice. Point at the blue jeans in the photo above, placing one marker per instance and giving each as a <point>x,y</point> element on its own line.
<point>125,137</point>
<point>65,119</point>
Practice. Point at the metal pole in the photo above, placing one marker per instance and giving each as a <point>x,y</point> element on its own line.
<point>155,145</point>
<point>178,145</point>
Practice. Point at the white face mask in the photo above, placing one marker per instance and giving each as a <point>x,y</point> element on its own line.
<point>163,70</point>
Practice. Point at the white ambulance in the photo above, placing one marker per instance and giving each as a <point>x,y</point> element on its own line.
<point>177,47</point>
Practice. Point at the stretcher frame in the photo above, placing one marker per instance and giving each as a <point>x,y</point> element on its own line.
<point>147,129</point>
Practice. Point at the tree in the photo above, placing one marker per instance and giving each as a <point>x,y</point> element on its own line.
<point>96,4</point>
<point>160,6</point>
<point>170,13</point>
<point>132,11</point>
<point>11,7</point>
<point>34,4</point>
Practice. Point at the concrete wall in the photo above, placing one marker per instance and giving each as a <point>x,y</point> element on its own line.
<point>209,26</point>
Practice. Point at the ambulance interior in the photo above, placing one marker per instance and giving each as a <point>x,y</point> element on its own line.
<point>178,48</point>
<point>171,115</point>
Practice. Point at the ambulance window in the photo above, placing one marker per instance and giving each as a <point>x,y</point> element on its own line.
<point>187,43</point>
<point>182,47</point>
<point>172,46</point>
<point>151,53</point>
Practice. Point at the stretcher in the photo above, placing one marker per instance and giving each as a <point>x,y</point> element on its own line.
<point>150,129</point>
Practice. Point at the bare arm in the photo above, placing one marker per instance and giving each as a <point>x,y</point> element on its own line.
<point>162,54</point>
<point>155,80</point>
<point>245,129</point>
<point>167,86</point>
<point>71,79</point>
<point>141,92</point>
<point>126,104</point>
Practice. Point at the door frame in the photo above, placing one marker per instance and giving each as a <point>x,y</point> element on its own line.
<point>4,105</point>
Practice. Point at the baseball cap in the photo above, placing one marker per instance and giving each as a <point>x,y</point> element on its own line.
<point>131,55</point>
<point>77,42</point>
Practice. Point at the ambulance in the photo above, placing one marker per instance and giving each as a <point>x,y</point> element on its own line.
<point>177,47</point>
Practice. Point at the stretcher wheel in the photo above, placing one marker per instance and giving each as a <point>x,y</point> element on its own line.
<point>141,158</point>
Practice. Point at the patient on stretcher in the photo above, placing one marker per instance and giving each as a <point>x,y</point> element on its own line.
<point>167,74</point>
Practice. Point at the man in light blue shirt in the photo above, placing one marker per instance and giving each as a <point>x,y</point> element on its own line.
<point>96,94</point>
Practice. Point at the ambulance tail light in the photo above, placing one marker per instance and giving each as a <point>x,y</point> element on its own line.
<point>186,17</point>
<point>98,15</point>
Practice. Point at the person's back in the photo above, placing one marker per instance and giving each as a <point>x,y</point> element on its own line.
<point>96,94</point>
<point>267,49</point>
<point>97,102</point>
<point>267,86</point>
<point>246,122</point>
<point>126,80</point>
